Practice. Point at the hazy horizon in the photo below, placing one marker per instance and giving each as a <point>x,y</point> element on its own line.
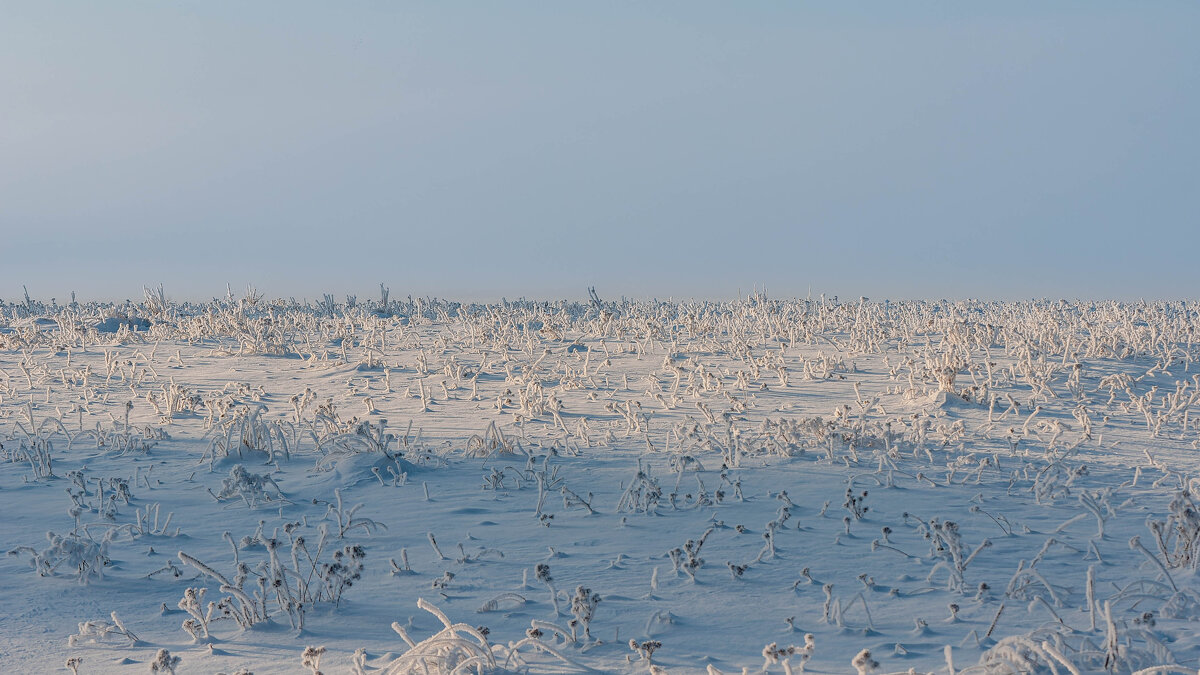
<point>686,150</point>
<point>371,296</point>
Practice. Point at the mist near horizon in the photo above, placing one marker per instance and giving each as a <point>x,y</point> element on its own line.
<point>683,150</point>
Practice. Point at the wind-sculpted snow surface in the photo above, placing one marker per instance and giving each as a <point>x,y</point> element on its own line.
<point>427,486</point>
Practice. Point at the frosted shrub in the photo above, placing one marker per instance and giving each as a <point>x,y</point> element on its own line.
<point>81,554</point>
<point>491,442</point>
<point>174,399</point>
<point>1023,654</point>
<point>251,487</point>
<point>285,582</point>
<point>336,439</point>
<point>945,371</point>
<point>37,451</point>
<point>244,430</point>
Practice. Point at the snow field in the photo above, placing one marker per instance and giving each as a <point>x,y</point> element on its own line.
<point>272,487</point>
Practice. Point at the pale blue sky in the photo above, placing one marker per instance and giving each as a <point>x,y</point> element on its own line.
<point>687,149</point>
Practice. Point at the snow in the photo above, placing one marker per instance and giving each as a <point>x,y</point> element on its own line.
<point>602,440</point>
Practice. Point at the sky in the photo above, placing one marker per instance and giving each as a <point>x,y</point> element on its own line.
<point>478,150</point>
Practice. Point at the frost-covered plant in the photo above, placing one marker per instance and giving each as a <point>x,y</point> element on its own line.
<point>645,650</point>
<point>542,574</point>
<point>201,615</point>
<point>84,555</point>
<point>583,608</point>
<point>443,581</point>
<point>164,663</point>
<point>339,575</point>
<point>37,451</point>
<point>174,399</point>
<point>311,659</point>
<point>336,439</point>
<point>346,519</point>
<point>856,504</point>
<point>461,648</point>
<point>280,583</point>
<point>1178,536</point>
<point>946,547</point>
<point>98,631</point>
<point>146,522</point>
<point>109,494</point>
<point>773,653</point>
<point>863,663</point>
<point>491,442</point>
<point>251,487</point>
<point>244,607</point>
<point>503,600</point>
<point>642,495</point>
<point>945,371</point>
<point>243,429</point>
<point>687,559</point>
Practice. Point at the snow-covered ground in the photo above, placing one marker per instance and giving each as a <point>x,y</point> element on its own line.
<point>621,487</point>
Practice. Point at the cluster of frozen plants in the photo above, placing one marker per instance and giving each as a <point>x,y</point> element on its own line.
<point>765,485</point>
